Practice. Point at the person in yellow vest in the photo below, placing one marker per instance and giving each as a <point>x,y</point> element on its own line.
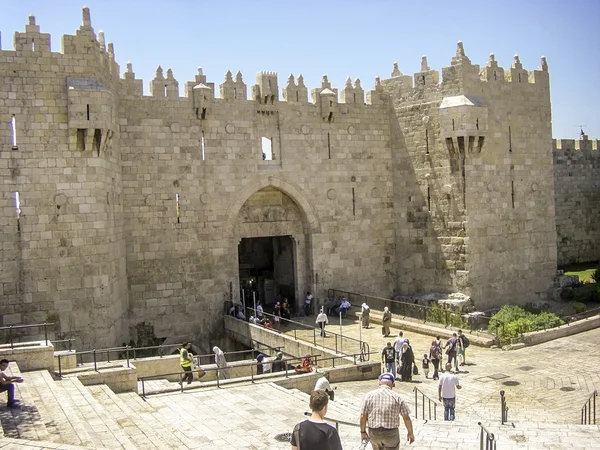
<point>186,360</point>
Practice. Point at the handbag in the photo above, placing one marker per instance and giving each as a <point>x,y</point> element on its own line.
<point>415,370</point>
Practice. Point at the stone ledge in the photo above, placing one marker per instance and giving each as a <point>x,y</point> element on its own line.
<point>538,337</point>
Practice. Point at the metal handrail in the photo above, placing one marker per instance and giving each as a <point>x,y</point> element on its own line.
<point>10,329</point>
<point>338,422</point>
<point>503,408</point>
<point>417,391</point>
<point>489,441</point>
<point>315,330</point>
<point>588,407</point>
<point>407,307</point>
<point>60,341</point>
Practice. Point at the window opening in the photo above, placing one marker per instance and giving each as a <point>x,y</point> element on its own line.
<point>234,93</point>
<point>452,124</point>
<point>330,118</point>
<point>512,193</point>
<point>329,145</point>
<point>519,78</point>
<point>428,198</point>
<point>509,140</point>
<point>203,115</point>
<point>81,137</point>
<point>477,123</point>
<point>495,77</point>
<point>297,96</point>
<point>165,90</point>
<point>13,125</point>
<point>202,145</point>
<point>423,80</point>
<point>354,94</point>
<point>32,45</point>
<point>267,149</point>
<point>353,203</point>
<point>88,112</point>
<point>330,103</point>
<point>97,140</point>
<point>427,141</point>
<point>18,210</point>
<point>177,206</point>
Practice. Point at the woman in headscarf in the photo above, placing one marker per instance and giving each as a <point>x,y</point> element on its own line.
<point>366,312</point>
<point>386,321</point>
<point>407,360</point>
<point>221,362</point>
<point>435,355</point>
<point>278,364</point>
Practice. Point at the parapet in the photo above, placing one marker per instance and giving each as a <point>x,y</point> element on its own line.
<point>582,144</point>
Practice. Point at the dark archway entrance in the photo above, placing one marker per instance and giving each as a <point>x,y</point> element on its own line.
<point>267,267</point>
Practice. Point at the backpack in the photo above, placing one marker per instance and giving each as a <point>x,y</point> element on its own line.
<point>465,341</point>
<point>435,351</point>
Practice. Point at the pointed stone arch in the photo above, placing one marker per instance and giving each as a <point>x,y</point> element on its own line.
<point>309,215</point>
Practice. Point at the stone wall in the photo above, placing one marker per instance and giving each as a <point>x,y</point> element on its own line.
<point>577,200</point>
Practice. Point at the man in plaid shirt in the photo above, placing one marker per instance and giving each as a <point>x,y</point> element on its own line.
<point>381,410</point>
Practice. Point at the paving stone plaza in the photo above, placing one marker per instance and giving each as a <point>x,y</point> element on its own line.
<point>545,386</point>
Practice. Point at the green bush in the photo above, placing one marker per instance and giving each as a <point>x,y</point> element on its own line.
<point>596,274</point>
<point>439,314</point>
<point>567,294</point>
<point>586,293</point>
<point>517,321</point>
<point>579,307</point>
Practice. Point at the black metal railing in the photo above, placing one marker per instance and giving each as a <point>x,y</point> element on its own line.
<point>503,408</point>
<point>127,353</point>
<point>13,328</point>
<point>487,440</point>
<point>430,402</point>
<point>337,422</point>
<point>433,314</point>
<point>341,344</point>
<point>68,342</point>
<point>588,411</point>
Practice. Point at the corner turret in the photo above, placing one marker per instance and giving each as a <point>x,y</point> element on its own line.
<point>266,90</point>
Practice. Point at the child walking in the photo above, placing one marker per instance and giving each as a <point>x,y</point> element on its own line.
<point>426,365</point>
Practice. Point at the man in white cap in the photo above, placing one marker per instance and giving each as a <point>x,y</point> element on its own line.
<point>321,321</point>
<point>380,411</point>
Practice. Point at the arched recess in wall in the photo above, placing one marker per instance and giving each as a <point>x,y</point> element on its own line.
<point>309,216</point>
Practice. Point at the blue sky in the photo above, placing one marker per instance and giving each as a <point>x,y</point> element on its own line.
<point>341,38</point>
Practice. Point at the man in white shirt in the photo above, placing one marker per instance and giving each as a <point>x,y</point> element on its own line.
<point>323,385</point>
<point>259,311</point>
<point>307,301</point>
<point>447,391</point>
<point>321,321</point>
<point>398,342</point>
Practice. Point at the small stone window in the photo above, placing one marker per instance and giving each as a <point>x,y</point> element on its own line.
<point>13,126</point>
<point>267,148</point>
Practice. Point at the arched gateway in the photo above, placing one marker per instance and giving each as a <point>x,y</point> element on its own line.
<point>272,223</point>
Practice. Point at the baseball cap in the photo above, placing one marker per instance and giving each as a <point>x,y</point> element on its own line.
<point>387,377</point>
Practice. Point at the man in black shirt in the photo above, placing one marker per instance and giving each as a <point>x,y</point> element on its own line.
<point>314,433</point>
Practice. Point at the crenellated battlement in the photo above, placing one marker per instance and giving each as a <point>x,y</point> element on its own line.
<point>583,144</point>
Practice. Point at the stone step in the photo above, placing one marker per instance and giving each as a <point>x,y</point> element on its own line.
<point>142,433</point>
<point>78,419</point>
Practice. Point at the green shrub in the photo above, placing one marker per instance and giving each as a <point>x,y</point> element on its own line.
<point>579,307</point>
<point>517,321</point>
<point>586,293</point>
<point>439,314</point>
<point>567,294</point>
<point>596,274</point>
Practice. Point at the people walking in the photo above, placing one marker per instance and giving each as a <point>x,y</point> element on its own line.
<point>307,302</point>
<point>447,391</point>
<point>221,362</point>
<point>314,432</point>
<point>365,317</point>
<point>435,355</point>
<point>463,343</point>
<point>398,346</point>
<point>7,384</point>
<point>388,356</point>
<point>323,385</point>
<point>186,360</point>
<point>386,322</point>
<point>322,321</point>
<point>407,360</point>
<point>425,365</point>
<point>380,411</point>
<point>452,350</point>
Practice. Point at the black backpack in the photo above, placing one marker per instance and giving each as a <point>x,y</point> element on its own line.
<point>465,341</point>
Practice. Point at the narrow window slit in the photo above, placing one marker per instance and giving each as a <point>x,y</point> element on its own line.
<point>88,112</point>
<point>427,141</point>
<point>13,125</point>
<point>18,210</point>
<point>32,45</point>
<point>177,206</point>
<point>297,96</point>
<point>509,140</point>
<point>202,145</point>
<point>428,198</point>
<point>495,77</point>
<point>203,115</point>
<point>353,203</point>
<point>166,91</point>
<point>329,144</point>
<point>452,124</point>
<point>235,93</point>
<point>512,193</point>
<point>98,140</point>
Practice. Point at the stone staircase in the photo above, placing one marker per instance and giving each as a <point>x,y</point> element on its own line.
<point>63,413</point>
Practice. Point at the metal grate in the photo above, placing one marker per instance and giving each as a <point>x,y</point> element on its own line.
<point>511,383</point>
<point>493,377</point>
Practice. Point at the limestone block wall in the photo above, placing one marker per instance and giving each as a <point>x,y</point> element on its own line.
<point>63,257</point>
<point>190,189</point>
<point>577,200</point>
<point>473,182</point>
